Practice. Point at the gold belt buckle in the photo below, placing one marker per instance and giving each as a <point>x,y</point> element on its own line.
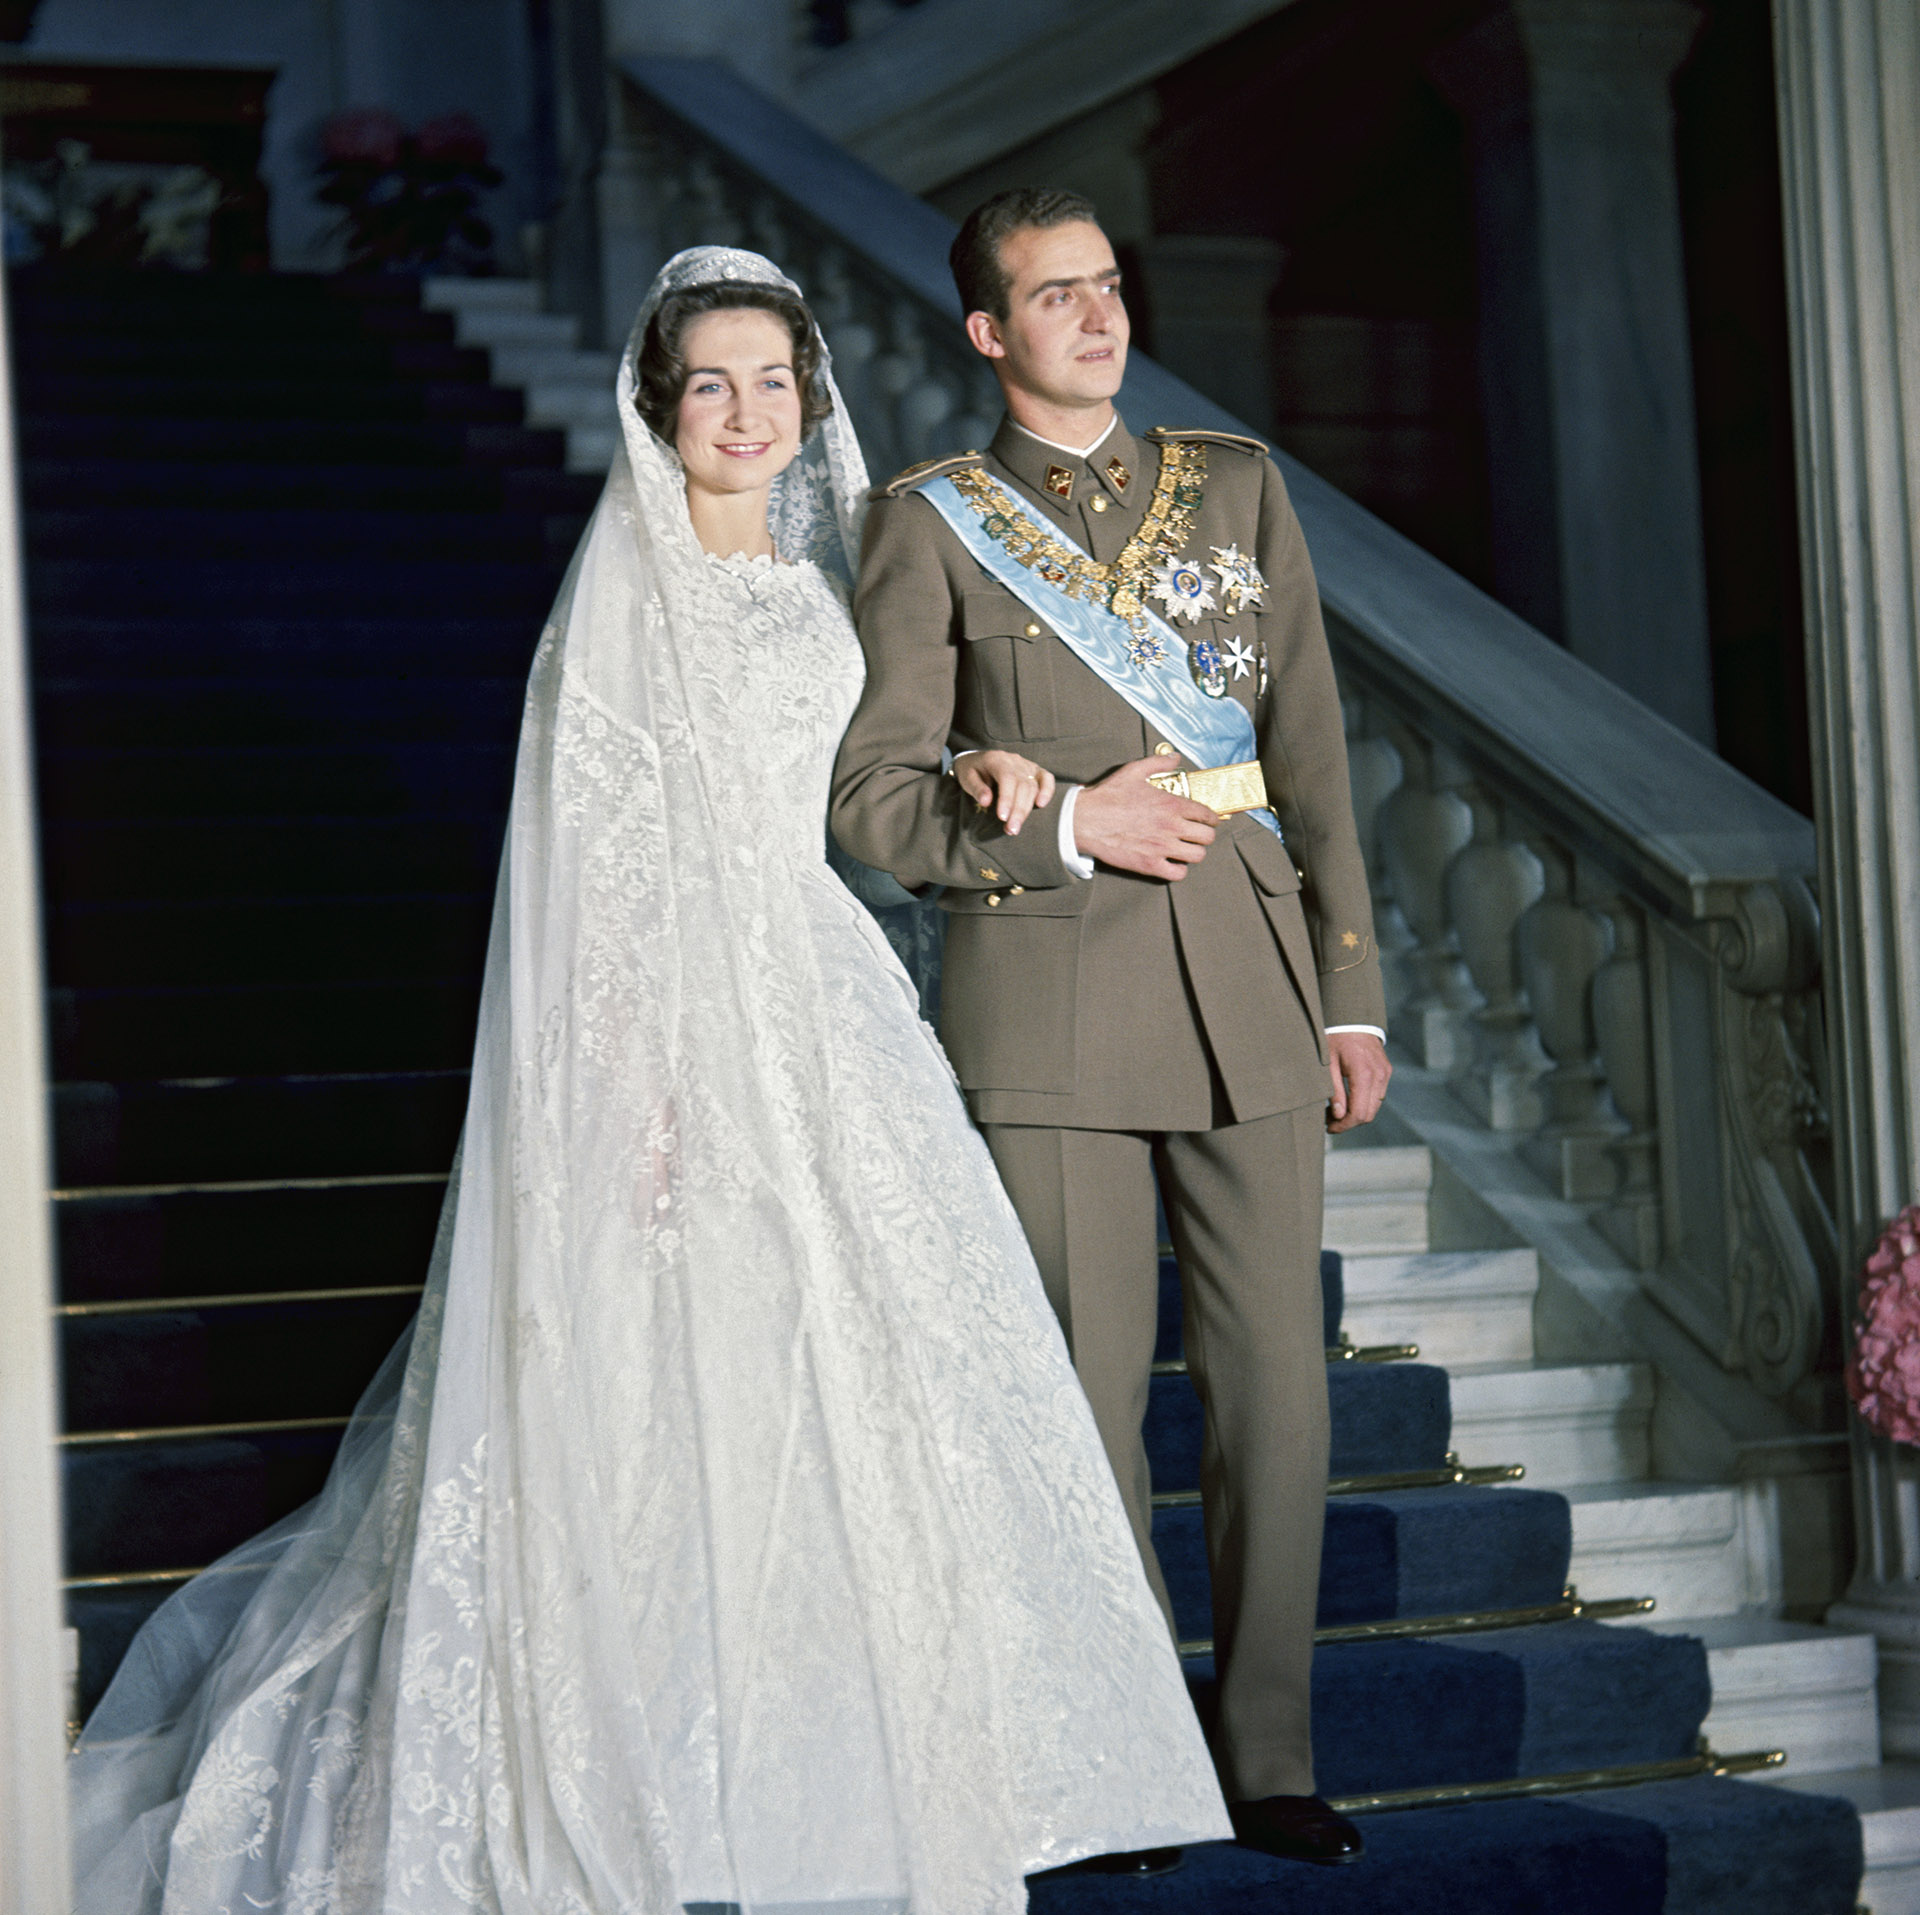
<point>1224,789</point>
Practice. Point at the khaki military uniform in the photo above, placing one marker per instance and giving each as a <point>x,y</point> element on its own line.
<point>1119,1031</point>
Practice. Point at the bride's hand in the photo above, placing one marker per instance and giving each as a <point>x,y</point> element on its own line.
<point>1010,784</point>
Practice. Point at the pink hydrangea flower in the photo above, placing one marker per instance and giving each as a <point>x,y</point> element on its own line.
<point>1884,1376</point>
<point>363,135</point>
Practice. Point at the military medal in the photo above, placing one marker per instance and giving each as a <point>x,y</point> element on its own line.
<point>1240,658</point>
<point>1240,582</point>
<point>1145,649</point>
<point>1208,667</point>
<point>1182,588</point>
<point>1060,481</point>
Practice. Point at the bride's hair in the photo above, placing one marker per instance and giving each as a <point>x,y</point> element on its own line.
<point>662,364</point>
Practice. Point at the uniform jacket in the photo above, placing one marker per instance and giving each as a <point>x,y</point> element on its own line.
<point>1118,1002</point>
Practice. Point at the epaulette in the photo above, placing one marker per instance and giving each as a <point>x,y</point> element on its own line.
<point>1240,441</point>
<point>917,475</point>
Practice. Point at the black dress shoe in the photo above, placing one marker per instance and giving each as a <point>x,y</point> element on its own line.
<point>1132,1862</point>
<point>1299,1828</point>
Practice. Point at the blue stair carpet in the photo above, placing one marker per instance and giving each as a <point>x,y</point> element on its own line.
<point>289,551</point>
<point>1486,1708</point>
<point>1436,1552</point>
<point>1701,1847</point>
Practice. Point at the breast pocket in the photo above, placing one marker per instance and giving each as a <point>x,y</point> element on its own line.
<point>1010,656</point>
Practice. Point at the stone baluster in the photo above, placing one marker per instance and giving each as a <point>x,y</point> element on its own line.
<point>1490,886</point>
<point>1562,945</point>
<point>711,219</point>
<point>769,233</point>
<point>1623,1028</point>
<point>979,416</point>
<point>924,411</point>
<point>899,368</point>
<point>636,194</point>
<point>852,341</point>
<point>1423,825</point>
<point>1374,772</point>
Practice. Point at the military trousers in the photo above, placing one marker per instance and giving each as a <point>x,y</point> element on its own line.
<point>1244,1205</point>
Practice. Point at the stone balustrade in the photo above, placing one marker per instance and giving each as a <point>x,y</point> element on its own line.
<point>1603,939</point>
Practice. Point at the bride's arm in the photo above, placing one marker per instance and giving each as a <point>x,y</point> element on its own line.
<point>1011,785</point>
<point>893,805</point>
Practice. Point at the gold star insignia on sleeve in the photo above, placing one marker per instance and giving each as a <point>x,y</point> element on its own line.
<point>1349,939</point>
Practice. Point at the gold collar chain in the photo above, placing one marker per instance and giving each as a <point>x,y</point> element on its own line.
<point>1122,585</point>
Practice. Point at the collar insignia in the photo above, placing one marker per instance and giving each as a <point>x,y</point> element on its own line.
<point>1119,474</point>
<point>1060,481</point>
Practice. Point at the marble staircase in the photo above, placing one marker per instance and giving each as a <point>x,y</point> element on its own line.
<point>1708,1553</point>
<point>566,387</point>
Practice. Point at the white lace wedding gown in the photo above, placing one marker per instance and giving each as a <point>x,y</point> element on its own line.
<point>733,1529</point>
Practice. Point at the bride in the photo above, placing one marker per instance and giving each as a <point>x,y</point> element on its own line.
<point>732,1529</point>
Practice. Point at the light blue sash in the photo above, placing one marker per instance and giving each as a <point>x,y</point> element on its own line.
<point>1207,732</point>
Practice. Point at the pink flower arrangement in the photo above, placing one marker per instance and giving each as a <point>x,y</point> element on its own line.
<point>1884,1376</point>
<point>363,136</point>
<point>454,139</point>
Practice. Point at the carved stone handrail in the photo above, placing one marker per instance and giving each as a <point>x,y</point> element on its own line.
<point>1605,937</point>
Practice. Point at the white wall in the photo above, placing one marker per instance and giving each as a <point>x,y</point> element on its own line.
<point>417,57</point>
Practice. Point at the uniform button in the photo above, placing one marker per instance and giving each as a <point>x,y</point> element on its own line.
<point>1298,873</point>
<point>1163,750</point>
<point>1018,891</point>
<point>1098,501</point>
<point>993,897</point>
<point>1033,630</point>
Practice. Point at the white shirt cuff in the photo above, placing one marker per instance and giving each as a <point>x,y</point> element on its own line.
<point>1372,1030</point>
<point>1076,861</point>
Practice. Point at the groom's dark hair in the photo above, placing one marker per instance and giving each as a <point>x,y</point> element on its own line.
<point>982,281</point>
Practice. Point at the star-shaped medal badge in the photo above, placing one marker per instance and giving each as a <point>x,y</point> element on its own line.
<point>1241,657</point>
<point>1240,582</point>
<point>1182,588</point>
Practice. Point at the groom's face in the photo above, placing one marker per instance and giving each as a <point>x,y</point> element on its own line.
<point>1064,339</point>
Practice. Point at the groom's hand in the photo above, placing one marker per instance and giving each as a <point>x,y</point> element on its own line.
<point>1358,1062</point>
<point>1134,826</point>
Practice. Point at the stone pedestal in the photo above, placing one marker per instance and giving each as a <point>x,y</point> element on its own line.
<point>1850,166</point>
<point>1585,369</point>
<point>1210,322</point>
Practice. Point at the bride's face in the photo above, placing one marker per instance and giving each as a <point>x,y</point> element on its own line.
<point>738,426</point>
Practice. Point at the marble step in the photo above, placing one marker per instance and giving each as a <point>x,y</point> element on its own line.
<point>1790,1685</point>
<point>480,295</point>
<point>1888,1798</point>
<point>591,448</point>
<point>1377,1199</point>
<point>1568,1423</point>
<point>570,403</point>
<point>1459,1306</point>
<point>1701,1550</point>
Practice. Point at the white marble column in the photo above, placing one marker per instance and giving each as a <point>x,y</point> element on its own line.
<point>1848,71</point>
<point>33,1791</point>
<point>1586,371</point>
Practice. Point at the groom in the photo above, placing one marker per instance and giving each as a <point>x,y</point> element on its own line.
<point>1144,985</point>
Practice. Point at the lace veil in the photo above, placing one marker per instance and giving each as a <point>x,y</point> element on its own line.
<point>510,1657</point>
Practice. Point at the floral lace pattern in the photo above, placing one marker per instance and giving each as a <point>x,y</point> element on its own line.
<point>732,1530</point>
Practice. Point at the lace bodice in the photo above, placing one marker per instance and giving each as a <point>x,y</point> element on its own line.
<point>776,688</point>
